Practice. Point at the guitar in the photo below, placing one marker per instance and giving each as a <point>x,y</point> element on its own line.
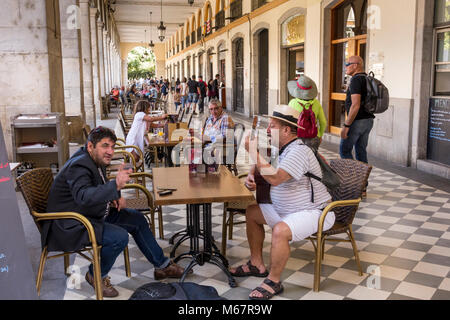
<point>262,186</point>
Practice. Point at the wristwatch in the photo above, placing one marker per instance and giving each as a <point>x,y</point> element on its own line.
<point>347,125</point>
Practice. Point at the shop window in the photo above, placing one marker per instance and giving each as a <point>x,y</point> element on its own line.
<point>350,19</point>
<point>442,63</point>
<point>442,48</point>
<point>442,13</point>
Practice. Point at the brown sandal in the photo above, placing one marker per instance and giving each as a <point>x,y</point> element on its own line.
<point>253,271</point>
<point>277,288</point>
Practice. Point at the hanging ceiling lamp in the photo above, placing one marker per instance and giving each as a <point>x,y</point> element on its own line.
<point>145,52</point>
<point>162,28</point>
<point>151,44</point>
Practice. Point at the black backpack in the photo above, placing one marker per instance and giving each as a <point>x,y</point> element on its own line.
<point>175,291</point>
<point>330,178</point>
<point>377,97</point>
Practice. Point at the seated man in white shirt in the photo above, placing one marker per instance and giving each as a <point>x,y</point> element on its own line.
<point>297,202</point>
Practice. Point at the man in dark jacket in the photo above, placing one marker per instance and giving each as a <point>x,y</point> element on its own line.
<point>81,186</point>
<point>202,88</point>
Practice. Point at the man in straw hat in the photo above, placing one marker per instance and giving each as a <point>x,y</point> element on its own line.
<point>304,91</point>
<point>297,202</point>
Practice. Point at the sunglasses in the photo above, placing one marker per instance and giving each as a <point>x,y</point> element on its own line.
<point>350,63</point>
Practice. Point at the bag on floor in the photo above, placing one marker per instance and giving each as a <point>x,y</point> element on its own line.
<point>175,291</point>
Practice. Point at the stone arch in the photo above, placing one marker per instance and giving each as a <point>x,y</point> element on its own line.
<point>237,35</point>
<point>283,67</point>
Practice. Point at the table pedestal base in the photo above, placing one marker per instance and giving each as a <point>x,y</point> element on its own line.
<point>210,252</point>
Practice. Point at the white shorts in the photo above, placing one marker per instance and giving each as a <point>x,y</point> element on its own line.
<point>303,223</point>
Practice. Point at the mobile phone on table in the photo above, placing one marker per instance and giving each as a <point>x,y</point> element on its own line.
<point>165,192</point>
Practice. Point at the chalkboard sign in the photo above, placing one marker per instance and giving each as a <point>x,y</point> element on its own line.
<point>439,131</point>
<point>17,280</point>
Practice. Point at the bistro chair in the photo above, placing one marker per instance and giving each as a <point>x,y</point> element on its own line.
<point>35,187</point>
<point>354,175</point>
<point>145,203</point>
<point>229,211</point>
<point>239,130</point>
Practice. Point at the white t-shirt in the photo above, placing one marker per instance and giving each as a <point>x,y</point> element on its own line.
<point>295,194</point>
<point>183,90</point>
<point>137,132</point>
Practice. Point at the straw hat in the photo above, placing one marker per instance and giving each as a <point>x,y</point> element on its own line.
<point>286,114</point>
<point>304,88</point>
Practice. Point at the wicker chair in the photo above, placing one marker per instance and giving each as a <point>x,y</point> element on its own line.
<point>239,130</point>
<point>35,187</point>
<point>346,199</point>
<point>230,210</point>
<point>144,203</point>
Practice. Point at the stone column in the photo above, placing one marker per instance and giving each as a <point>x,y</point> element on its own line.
<point>101,59</point>
<point>124,72</point>
<point>86,59</point>
<point>95,63</point>
<point>71,59</point>
<point>107,62</point>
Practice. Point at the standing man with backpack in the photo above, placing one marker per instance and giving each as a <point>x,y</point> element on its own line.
<point>359,122</point>
<point>312,118</point>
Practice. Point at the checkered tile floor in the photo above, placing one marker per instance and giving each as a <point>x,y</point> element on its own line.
<point>403,235</point>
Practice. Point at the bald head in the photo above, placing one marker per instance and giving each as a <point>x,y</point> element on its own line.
<point>354,65</point>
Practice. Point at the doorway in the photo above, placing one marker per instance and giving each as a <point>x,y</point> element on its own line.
<point>263,72</point>
<point>349,38</point>
<point>238,75</point>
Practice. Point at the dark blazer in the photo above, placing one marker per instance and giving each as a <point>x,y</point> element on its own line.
<point>78,187</point>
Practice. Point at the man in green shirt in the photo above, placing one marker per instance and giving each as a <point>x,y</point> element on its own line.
<point>304,91</point>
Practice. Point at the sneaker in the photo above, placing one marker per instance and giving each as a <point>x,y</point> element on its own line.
<point>108,290</point>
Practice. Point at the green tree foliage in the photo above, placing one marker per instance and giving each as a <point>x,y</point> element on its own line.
<point>141,63</point>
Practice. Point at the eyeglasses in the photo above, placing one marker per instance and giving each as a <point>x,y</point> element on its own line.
<point>347,64</point>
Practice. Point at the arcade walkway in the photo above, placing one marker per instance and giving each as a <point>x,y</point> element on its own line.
<point>402,231</point>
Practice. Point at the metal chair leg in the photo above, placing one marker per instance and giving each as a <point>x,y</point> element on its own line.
<point>97,272</point>
<point>318,264</point>
<point>126,256</point>
<point>66,264</point>
<point>42,261</point>
<point>355,249</point>
<point>160,223</point>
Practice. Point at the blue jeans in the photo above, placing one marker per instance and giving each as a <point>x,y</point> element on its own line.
<point>358,137</point>
<point>183,101</point>
<point>192,97</point>
<point>115,238</point>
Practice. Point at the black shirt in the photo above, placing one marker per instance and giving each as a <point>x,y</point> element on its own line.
<point>192,84</point>
<point>358,86</point>
<point>202,87</point>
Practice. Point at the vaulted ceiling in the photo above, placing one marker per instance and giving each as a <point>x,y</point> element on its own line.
<point>133,17</point>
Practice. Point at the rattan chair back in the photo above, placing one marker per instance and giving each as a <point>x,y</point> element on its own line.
<point>35,187</point>
<point>354,175</point>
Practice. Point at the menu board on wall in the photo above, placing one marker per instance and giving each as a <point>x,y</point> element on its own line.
<point>17,280</point>
<point>439,130</point>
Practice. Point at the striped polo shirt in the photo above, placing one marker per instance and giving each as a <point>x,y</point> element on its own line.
<point>295,194</point>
